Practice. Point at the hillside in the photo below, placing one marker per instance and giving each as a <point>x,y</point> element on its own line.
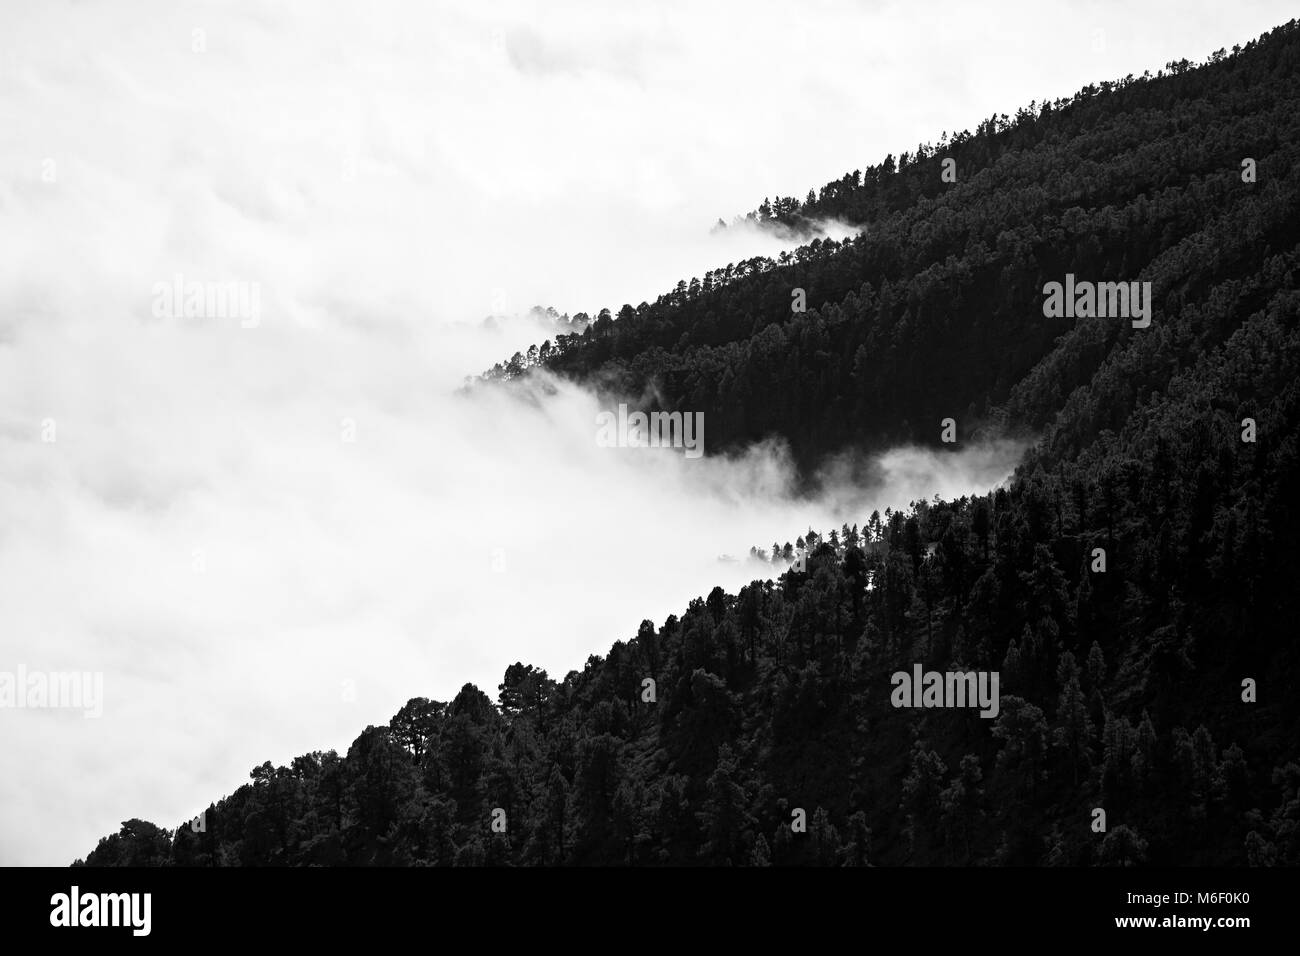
<point>1121,689</point>
<point>936,309</point>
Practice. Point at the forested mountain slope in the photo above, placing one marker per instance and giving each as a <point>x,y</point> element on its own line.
<point>1169,452</point>
<point>935,310</point>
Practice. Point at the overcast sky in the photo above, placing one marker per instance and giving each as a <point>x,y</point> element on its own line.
<point>252,585</point>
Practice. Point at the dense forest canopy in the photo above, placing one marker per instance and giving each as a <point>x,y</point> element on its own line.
<point>934,310</point>
<point>1133,586</point>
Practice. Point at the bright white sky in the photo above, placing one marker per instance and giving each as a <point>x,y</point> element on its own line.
<point>251,586</point>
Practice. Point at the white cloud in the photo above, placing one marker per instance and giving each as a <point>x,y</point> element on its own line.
<point>201,533</point>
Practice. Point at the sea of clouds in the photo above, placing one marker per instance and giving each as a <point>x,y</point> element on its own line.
<point>267,537</point>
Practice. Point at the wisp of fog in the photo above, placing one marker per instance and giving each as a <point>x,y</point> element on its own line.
<point>267,534</point>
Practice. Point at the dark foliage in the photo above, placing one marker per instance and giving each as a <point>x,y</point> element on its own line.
<point>1120,689</point>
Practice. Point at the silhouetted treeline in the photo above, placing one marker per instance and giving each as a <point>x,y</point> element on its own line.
<point>935,311</point>
<point>1133,586</point>
<point>1120,690</point>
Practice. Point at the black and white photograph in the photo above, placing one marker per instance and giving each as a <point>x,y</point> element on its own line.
<point>573,450</point>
